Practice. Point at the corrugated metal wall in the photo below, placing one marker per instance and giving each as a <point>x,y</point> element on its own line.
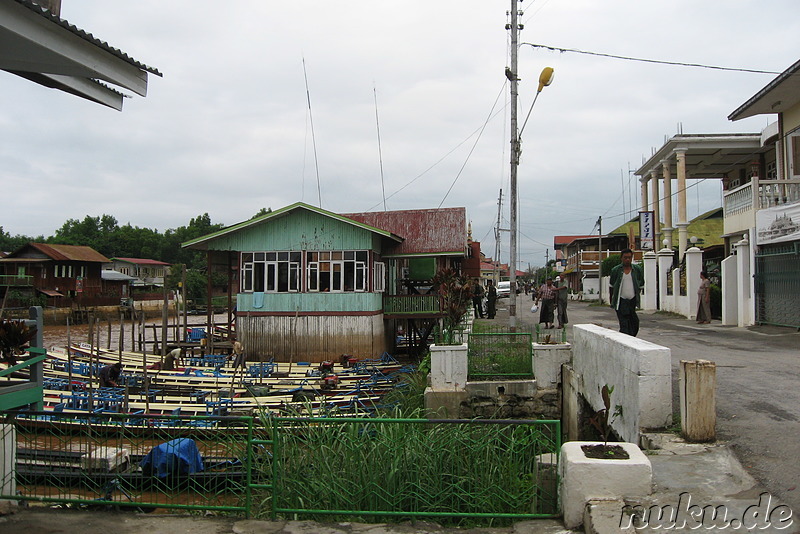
<point>298,230</point>
<point>313,302</point>
<point>311,338</point>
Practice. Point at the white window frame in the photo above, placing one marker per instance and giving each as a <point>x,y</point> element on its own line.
<point>379,277</point>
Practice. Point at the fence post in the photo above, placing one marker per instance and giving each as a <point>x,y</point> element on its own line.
<point>698,381</point>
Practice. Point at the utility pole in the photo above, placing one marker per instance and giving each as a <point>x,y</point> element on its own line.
<point>515,152</point>
<point>600,258</point>
<point>495,261</point>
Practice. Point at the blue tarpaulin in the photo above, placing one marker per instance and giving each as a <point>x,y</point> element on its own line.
<point>177,457</point>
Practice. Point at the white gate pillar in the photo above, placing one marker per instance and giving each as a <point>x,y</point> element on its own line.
<point>730,294</point>
<point>745,296</point>
<point>664,264</point>
<point>650,281</point>
<point>694,264</point>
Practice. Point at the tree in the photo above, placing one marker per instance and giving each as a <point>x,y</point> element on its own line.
<point>456,292</point>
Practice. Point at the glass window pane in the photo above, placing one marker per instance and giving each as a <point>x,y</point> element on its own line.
<point>283,256</point>
<point>259,256</point>
<point>336,255</point>
<point>271,282</point>
<point>258,277</point>
<point>270,256</point>
<point>362,255</point>
<point>247,256</point>
<point>349,255</point>
<point>283,277</point>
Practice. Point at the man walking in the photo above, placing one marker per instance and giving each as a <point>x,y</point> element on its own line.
<point>627,281</point>
<point>561,301</point>
<point>491,300</point>
<point>477,298</point>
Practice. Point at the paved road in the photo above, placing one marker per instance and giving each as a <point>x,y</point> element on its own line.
<point>758,385</point>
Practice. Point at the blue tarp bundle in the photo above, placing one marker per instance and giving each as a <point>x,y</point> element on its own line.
<point>177,457</point>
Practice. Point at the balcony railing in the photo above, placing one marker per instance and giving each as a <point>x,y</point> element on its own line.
<point>16,280</point>
<point>412,304</point>
<point>759,194</point>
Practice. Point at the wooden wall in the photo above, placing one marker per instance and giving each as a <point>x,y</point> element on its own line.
<point>311,338</point>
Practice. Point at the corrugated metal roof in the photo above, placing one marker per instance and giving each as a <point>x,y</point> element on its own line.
<point>112,275</point>
<point>425,232</point>
<point>70,252</point>
<point>87,36</point>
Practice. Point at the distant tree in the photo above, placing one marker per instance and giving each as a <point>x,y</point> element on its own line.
<point>609,263</point>
<point>9,243</point>
<point>262,211</point>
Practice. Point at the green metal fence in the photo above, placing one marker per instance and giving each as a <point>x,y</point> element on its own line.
<point>99,459</point>
<point>341,468</point>
<point>777,284</point>
<point>500,355</point>
<point>492,471</point>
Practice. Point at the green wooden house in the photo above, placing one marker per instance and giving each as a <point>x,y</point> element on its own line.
<point>312,285</point>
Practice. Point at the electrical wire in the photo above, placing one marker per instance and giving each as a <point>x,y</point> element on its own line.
<point>662,62</point>
<point>471,150</point>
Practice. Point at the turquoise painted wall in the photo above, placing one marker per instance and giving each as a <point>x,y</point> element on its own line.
<point>299,230</point>
<point>312,302</point>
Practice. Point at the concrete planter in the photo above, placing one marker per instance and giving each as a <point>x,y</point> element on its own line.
<point>547,361</point>
<point>583,478</point>
<point>449,367</point>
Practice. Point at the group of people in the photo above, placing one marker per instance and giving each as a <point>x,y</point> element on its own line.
<point>552,301</point>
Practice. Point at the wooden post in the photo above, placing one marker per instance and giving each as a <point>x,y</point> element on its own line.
<point>698,382</point>
<point>121,335</point>
<point>185,304</point>
<point>90,336</point>
<point>69,357</point>
<point>209,307</point>
<point>164,322</point>
<point>108,341</point>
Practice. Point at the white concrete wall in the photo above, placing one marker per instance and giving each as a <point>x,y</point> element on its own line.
<point>639,371</point>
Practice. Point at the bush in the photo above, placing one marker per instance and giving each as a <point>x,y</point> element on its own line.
<point>716,301</point>
<point>609,263</point>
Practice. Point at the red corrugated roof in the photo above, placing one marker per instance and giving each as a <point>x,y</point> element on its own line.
<point>429,231</point>
<point>70,252</point>
<point>567,239</point>
<point>140,261</point>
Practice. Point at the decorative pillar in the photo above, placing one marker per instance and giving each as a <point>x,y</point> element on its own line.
<point>650,301</point>
<point>667,202</point>
<point>694,264</point>
<point>654,202</point>
<point>682,222</point>
<point>730,298</point>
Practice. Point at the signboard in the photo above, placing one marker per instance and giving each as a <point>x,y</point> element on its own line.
<point>79,285</point>
<point>778,224</point>
<point>647,230</point>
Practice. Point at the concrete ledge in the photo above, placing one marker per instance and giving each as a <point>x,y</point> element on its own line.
<point>639,371</point>
<point>583,479</point>
<point>498,388</point>
<point>443,404</point>
<point>602,516</point>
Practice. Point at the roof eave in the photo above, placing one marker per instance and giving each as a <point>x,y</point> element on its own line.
<point>43,43</point>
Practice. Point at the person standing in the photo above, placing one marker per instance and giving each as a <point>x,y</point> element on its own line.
<point>477,298</point>
<point>491,300</point>
<point>546,298</point>
<point>561,301</point>
<point>704,299</point>
<point>627,280</point>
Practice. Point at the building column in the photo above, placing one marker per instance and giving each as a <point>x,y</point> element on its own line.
<point>664,258</point>
<point>682,222</point>
<point>645,202</point>
<point>654,202</point>
<point>667,202</point>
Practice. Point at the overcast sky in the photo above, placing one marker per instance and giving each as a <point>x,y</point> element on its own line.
<point>227,130</point>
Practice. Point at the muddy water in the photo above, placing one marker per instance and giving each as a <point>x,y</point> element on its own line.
<point>107,334</point>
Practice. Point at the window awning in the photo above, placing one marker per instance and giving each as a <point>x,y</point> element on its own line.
<point>50,292</point>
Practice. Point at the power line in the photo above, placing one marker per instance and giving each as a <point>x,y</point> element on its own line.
<point>662,62</point>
